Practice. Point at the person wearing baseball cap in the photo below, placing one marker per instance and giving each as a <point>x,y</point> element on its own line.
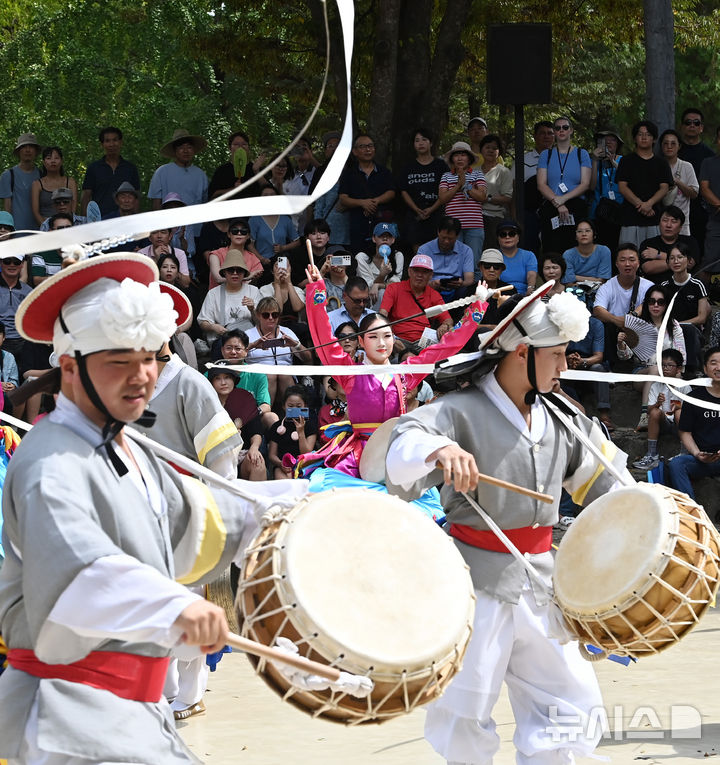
<point>16,182</point>
<point>381,264</point>
<point>102,535</point>
<point>508,424</point>
<point>62,203</point>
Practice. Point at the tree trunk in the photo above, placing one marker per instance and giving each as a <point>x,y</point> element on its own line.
<point>660,63</point>
<point>384,76</point>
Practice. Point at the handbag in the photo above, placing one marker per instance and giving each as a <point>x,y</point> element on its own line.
<point>609,211</point>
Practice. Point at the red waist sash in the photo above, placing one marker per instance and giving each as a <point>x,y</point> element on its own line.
<point>527,539</point>
<point>127,675</point>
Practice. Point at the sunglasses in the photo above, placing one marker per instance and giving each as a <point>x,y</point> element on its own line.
<point>241,231</point>
<point>657,301</point>
<point>697,123</point>
<point>270,314</point>
<point>557,128</point>
<point>12,261</point>
<point>494,266</point>
<point>359,301</point>
<point>507,233</point>
<point>234,270</point>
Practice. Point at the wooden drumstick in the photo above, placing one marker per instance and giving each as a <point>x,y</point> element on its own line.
<point>546,498</point>
<point>310,253</point>
<point>275,654</point>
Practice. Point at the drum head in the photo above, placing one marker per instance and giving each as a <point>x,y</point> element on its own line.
<point>380,584</point>
<point>372,459</point>
<point>612,549</point>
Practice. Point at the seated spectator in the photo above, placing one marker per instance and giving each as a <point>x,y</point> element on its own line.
<point>520,265</point>
<point>410,296</point>
<point>239,235</point>
<point>691,307</point>
<point>317,232</point>
<point>492,266</point>
<point>383,265</point>
<point>44,264</point>
<point>356,303</point>
<point>643,179</point>
<point>234,350</point>
<point>273,234</point>
<point>159,246</point>
<point>62,202</point>
<point>126,198</point>
<point>619,296</point>
<point>271,343</point>
<point>335,275</point>
<point>291,436</point>
<point>9,375</point>
<point>169,269</point>
<point>463,190</point>
<point>654,251</point>
<point>290,298</point>
<point>213,236</point>
<point>244,413</point>
<point>499,180</point>
<point>686,186</point>
<point>335,410</point>
<point>664,408</point>
<point>12,292</point>
<point>587,261</point>
<point>418,184</point>
<point>347,336</point>
<point>231,304</point>
<point>453,261</point>
<point>646,328</point>
<point>699,432</point>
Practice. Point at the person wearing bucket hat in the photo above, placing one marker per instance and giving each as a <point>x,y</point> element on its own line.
<point>182,177</point>
<point>16,182</point>
<point>500,426</point>
<point>100,532</point>
<point>462,191</point>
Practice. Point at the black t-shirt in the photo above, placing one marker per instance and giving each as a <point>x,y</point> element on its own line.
<point>422,182</point>
<point>286,444</point>
<point>703,424</point>
<point>695,154</point>
<point>686,303</point>
<point>644,177</point>
<point>224,178</point>
<point>659,244</point>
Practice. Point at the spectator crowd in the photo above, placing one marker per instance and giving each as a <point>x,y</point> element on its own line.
<point>627,225</point>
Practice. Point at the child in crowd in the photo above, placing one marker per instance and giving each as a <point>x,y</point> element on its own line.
<point>383,266</point>
<point>663,407</point>
<point>292,436</point>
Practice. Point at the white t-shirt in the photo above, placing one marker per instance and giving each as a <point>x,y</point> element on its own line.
<point>657,388</point>
<point>615,299</point>
<point>236,315</point>
<point>280,356</point>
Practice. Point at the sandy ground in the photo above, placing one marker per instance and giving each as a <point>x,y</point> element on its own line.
<point>661,710</point>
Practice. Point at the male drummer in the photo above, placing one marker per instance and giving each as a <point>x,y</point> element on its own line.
<point>95,531</point>
<point>504,425</point>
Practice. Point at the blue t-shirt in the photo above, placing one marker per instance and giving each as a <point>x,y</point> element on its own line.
<point>564,168</point>
<point>265,237</point>
<point>517,267</point>
<point>593,342</point>
<point>598,263</point>
<point>16,185</point>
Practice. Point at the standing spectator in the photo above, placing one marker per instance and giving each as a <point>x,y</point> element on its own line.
<point>544,139</point>
<point>380,267</point>
<point>226,175</point>
<point>699,432</point>
<point>694,151</point>
<point>330,142</point>
<point>463,191</point>
<point>16,182</point>
<point>499,187</point>
<point>643,179</point>
<point>710,190</point>
<point>563,177</point>
<point>619,296</point>
<point>587,261</point>
<point>62,202</point>
<point>366,190</point>
<point>683,175</point>
<point>520,265</point>
<point>477,129</point>
<point>12,293</point>
<point>52,178</point>
<point>453,261</point>
<point>328,207</point>
<point>273,234</point>
<point>280,172</point>
<point>605,209</point>
<point>654,251</point>
<point>418,184</point>
<point>181,177</point>
<point>104,176</point>
<point>299,183</point>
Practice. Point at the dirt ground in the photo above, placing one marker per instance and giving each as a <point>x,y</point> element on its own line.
<point>660,710</point>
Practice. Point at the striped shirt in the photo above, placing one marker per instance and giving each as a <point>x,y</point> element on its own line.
<point>462,206</point>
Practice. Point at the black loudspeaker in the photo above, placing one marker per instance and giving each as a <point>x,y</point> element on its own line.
<point>519,63</point>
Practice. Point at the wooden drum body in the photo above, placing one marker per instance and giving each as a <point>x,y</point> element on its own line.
<point>364,582</point>
<point>637,569</point>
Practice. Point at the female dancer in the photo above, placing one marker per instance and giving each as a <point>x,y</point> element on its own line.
<point>372,399</point>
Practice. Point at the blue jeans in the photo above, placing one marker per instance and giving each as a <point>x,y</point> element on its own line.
<point>474,238</point>
<point>684,467</point>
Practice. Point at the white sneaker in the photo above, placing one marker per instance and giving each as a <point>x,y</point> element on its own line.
<point>642,425</point>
